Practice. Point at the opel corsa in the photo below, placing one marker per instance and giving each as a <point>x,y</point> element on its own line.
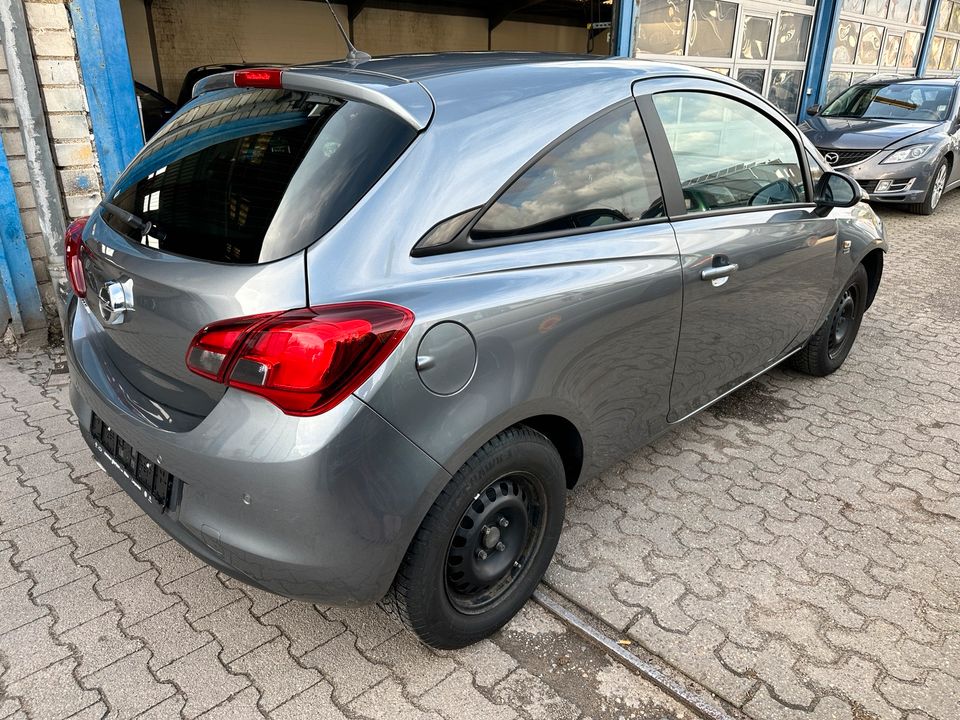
<point>351,331</point>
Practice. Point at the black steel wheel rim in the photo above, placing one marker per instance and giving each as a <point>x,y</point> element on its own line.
<point>843,322</point>
<point>494,542</point>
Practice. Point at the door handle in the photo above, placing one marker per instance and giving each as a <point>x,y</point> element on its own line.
<point>722,271</point>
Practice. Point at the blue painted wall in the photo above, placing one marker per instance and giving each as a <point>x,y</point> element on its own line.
<point>18,285</point>
<point>108,80</point>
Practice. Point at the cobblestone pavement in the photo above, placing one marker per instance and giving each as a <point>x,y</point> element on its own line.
<point>795,548</point>
<point>101,614</point>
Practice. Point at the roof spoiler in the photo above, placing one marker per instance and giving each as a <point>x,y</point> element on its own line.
<point>409,101</point>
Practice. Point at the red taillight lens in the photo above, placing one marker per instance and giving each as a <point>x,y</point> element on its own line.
<point>304,361</point>
<point>72,247</point>
<point>260,78</point>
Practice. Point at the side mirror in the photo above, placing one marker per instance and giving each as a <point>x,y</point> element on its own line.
<point>814,109</point>
<point>837,190</point>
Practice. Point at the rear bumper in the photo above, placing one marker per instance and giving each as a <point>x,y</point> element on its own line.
<point>319,509</point>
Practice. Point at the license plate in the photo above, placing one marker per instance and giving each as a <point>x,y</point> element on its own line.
<point>151,479</point>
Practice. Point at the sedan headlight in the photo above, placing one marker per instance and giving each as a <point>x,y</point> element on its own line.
<point>914,152</point>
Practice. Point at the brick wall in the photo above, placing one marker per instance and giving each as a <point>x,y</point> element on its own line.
<point>68,121</point>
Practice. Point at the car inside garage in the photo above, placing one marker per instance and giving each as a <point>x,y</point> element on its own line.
<point>166,39</point>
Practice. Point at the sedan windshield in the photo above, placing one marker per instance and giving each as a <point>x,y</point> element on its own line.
<point>893,101</point>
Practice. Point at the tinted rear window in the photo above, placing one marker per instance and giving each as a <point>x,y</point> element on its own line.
<point>250,176</point>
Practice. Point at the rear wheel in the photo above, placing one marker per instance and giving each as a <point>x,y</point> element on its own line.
<point>486,542</point>
<point>825,352</point>
<point>935,193</point>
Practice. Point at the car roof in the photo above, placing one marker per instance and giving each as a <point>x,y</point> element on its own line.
<point>468,66</point>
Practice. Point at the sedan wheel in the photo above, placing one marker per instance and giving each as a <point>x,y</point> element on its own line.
<point>935,193</point>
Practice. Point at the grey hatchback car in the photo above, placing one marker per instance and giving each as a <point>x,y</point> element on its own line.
<point>897,137</point>
<point>351,332</point>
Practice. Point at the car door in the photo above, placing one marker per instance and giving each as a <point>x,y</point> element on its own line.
<point>757,254</point>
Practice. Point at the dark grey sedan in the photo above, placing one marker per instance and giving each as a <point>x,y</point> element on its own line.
<point>353,332</point>
<point>898,138</point>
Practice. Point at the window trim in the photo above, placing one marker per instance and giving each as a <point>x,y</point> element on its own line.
<point>463,240</point>
<point>645,90</point>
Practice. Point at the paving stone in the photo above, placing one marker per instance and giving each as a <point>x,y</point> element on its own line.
<point>418,667</point>
<point>261,600</point>
<point>204,682</point>
<point>520,689</point>
<point>203,593</point>
<point>18,512</point>
<point>315,703</point>
<point>385,701</point>
<point>173,560</point>
<point>456,697</point>
<point>139,598</point>
<point>128,686</point>
<point>172,707</point>
<point>51,693</point>
<point>168,635</point>
<point>275,673</point>
<point>121,508</point>
<point>17,607</point>
<point>241,705</point>
<point>100,642</point>
<point>92,534</point>
<point>8,574</point>
<point>344,667</point>
<point>487,663</point>
<point>115,564</point>
<point>303,625</point>
<point>74,603</point>
<point>71,509</point>
<point>236,629</point>
<point>144,533</point>
<point>34,539</point>
<point>30,648</point>
<point>372,625</point>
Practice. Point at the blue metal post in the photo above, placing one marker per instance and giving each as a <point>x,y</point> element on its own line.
<point>624,29</point>
<point>17,281</point>
<point>108,80</point>
<point>820,57</point>
<point>928,37</point>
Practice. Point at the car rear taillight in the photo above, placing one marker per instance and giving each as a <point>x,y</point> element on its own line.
<point>259,78</point>
<point>304,361</point>
<point>72,247</point>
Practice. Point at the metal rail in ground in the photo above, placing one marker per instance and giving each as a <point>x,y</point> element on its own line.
<point>692,700</point>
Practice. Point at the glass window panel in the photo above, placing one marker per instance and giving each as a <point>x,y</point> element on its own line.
<point>936,49</point>
<point>728,155</point>
<point>918,12</point>
<point>845,47</point>
<point>853,6</point>
<point>868,51</point>
<point>876,9</point>
<point>601,175</point>
<point>661,26</point>
<point>837,83</point>
<point>755,41</point>
<point>899,10</point>
<point>954,25</point>
<point>949,50</point>
<point>720,70</point>
<point>811,3</point>
<point>911,47</point>
<point>784,90</point>
<point>943,15</point>
<point>793,35</point>
<point>860,77</point>
<point>714,23</point>
<point>891,48</point>
<point>752,78</point>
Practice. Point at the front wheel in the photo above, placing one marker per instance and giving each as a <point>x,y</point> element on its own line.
<point>937,188</point>
<point>825,352</point>
<point>486,542</point>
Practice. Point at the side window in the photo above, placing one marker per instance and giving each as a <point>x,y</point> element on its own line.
<point>816,169</point>
<point>601,175</point>
<point>728,154</point>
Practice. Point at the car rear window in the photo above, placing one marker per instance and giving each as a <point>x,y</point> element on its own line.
<point>249,176</point>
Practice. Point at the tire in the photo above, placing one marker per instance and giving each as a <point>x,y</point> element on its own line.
<point>826,350</point>
<point>519,477</point>
<point>935,192</point>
